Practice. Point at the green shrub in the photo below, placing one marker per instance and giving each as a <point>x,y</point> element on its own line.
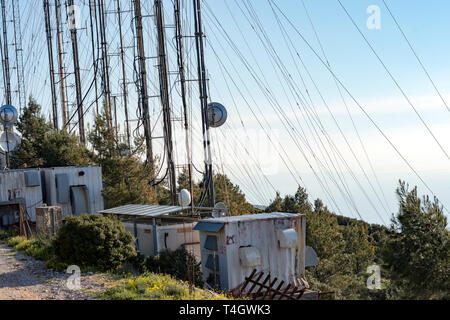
<point>151,286</point>
<point>175,263</point>
<point>54,264</point>
<point>14,241</point>
<point>5,235</point>
<point>40,249</point>
<point>94,241</point>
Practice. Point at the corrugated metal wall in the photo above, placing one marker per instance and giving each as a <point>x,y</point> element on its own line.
<point>91,178</point>
<point>13,186</point>
<point>284,263</point>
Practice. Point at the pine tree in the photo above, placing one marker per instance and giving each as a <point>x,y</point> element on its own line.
<point>43,146</point>
<point>126,178</point>
<point>32,127</point>
<point>417,251</point>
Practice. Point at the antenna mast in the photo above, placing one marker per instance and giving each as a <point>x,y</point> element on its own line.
<point>105,60</point>
<point>19,54</point>
<point>165,100</point>
<point>124,77</point>
<point>181,70</point>
<point>61,64</point>
<point>76,63</point>
<point>143,90</point>
<point>92,14</point>
<point>7,75</point>
<point>202,85</point>
<point>50,62</point>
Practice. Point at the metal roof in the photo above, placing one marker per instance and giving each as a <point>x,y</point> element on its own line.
<point>249,217</point>
<point>144,210</point>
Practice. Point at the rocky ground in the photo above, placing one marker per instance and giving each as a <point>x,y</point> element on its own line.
<point>24,278</point>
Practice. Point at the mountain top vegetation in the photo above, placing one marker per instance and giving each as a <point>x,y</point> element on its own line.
<point>413,252</point>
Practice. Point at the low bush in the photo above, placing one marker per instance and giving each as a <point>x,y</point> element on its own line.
<point>5,235</point>
<point>14,241</point>
<point>94,241</point>
<point>180,264</point>
<point>40,249</point>
<point>153,286</point>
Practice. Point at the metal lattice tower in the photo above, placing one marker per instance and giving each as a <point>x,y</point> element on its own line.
<point>19,54</point>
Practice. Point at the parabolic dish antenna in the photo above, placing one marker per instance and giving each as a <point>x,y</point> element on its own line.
<point>8,115</point>
<point>220,210</point>
<point>11,143</point>
<point>217,114</point>
<point>184,198</point>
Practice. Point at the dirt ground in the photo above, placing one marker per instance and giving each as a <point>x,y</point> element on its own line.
<point>24,278</point>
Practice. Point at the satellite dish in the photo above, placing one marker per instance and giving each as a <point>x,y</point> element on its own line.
<point>9,141</point>
<point>217,114</point>
<point>184,198</point>
<point>220,210</point>
<point>8,115</point>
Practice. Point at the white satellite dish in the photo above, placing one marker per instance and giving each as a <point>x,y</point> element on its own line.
<point>184,198</point>
<point>8,115</point>
<point>9,141</point>
<point>220,210</point>
<point>217,114</point>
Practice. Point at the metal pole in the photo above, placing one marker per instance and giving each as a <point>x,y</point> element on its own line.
<point>50,63</point>
<point>124,78</point>
<point>6,56</point>
<point>76,63</point>
<point>165,100</point>
<point>61,64</point>
<point>19,54</point>
<point>104,45</point>
<point>143,80</point>
<point>7,148</point>
<point>92,14</point>
<point>115,118</point>
<point>204,100</point>
<point>180,56</point>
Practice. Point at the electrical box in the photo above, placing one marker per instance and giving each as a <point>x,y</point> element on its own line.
<point>287,238</point>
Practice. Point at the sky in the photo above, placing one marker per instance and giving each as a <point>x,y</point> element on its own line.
<point>287,122</point>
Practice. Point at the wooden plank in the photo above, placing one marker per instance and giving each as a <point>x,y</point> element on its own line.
<point>263,285</point>
<point>276,290</point>
<point>285,290</point>
<point>255,282</point>
<point>247,279</point>
<point>270,285</point>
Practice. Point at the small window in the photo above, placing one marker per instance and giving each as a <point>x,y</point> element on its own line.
<point>81,173</point>
<point>211,243</point>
